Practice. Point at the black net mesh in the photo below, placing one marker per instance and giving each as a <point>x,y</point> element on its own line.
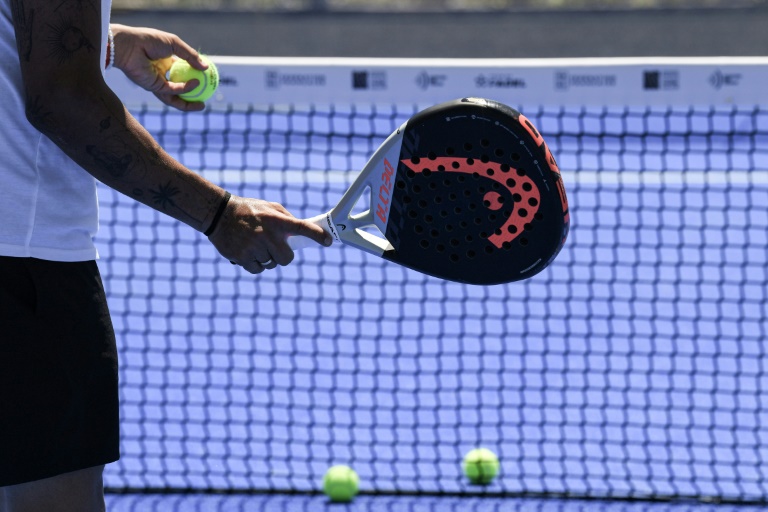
<point>633,367</point>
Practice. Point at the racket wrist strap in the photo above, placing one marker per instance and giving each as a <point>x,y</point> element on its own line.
<point>219,213</point>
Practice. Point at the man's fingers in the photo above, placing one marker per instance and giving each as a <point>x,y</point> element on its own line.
<point>254,234</point>
<point>280,253</point>
<point>169,93</point>
<point>253,267</point>
<point>189,54</point>
<point>279,207</point>
<point>175,88</point>
<point>312,231</point>
<point>179,104</point>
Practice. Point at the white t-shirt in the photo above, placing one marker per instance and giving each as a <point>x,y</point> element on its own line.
<point>48,203</point>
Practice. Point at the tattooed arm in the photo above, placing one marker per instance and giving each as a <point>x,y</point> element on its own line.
<point>67,99</point>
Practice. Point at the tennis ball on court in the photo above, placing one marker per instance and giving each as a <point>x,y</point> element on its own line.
<point>481,466</point>
<point>340,483</point>
<point>181,71</point>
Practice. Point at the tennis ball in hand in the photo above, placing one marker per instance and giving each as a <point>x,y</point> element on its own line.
<point>181,71</point>
<point>481,466</point>
<point>340,483</point>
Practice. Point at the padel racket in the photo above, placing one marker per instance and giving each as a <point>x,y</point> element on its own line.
<point>466,191</point>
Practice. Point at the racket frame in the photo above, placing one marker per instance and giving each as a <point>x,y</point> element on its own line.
<point>378,175</point>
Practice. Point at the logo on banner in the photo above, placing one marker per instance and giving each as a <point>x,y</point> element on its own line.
<point>276,80</point>
<point>664,80</point>
<point>371,80</point>
<point>565,80</point>
<point>424,80</point>
<point>498,81</point>
<point>227,81</point>
<point>718,79</point>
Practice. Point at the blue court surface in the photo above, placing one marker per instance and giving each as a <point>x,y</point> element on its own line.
<point>634,366</point>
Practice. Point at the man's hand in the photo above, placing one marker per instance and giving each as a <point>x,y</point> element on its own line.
<point>253,233</point>
<point>145,55</point>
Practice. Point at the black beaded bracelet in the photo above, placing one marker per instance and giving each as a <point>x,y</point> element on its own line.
<point>219,212</point>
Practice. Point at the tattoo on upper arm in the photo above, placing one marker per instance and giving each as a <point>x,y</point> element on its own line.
<point>39,116</point>
<point>81,4</point>
<point>23,24</point>
<point>65,40</point>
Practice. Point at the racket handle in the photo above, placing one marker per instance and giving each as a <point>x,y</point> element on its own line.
<point>296,242</point>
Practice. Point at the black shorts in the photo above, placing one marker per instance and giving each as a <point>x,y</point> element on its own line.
<point>58,370</point>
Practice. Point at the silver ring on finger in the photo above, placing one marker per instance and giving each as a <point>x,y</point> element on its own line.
<point>264,263</point>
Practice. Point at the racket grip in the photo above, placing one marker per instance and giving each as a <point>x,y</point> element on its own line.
<point>296,242</point>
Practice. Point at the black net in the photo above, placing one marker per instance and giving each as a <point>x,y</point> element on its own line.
<point>633,367</point>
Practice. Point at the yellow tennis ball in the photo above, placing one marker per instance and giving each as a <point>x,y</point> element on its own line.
<point>481,466</point>
<point>181,71</point>
<point>340,483</point>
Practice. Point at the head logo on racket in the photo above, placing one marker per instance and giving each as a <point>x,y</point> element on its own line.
<point>519,187</point>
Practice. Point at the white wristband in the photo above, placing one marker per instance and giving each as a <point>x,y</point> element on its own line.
<point>110,50</point>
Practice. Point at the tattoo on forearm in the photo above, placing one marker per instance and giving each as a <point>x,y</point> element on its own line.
<point>163,196</point>
<point>123,156</point>
<point>66,40</point>
<point>112,154</point>
<point>116,165</point>
<point>23,29</point>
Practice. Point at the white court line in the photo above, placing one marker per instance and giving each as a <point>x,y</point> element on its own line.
<point>586,178</point>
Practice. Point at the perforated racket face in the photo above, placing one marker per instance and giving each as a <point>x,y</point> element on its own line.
<point>477,197</point>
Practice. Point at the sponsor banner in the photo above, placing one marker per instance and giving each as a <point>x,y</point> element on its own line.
<point>568,79</point>
<point>294,79</point>
<point>661,79</point>
<point>500,81</point>
<point>517,82</point>
<point>427,79</point>
<point>728,79</point>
